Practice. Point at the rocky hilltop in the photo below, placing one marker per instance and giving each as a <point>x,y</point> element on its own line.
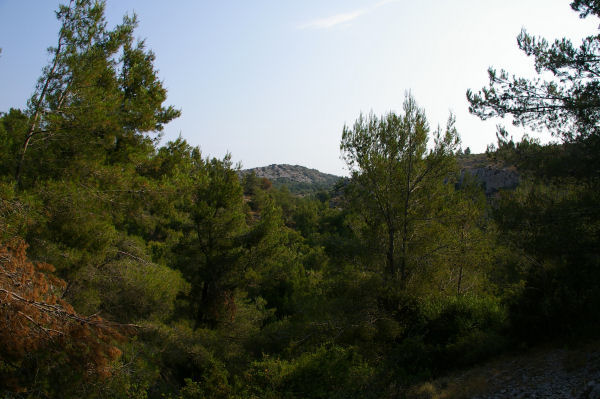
<point>294,173</point>
<point>298,179</point>
<point>493,176</point>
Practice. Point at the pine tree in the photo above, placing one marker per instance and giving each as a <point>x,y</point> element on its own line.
<point>396,180</point>
<point>96,99</point>
<point>568,104</point>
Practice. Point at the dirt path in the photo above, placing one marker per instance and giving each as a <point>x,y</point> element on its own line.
<point>542,373</point>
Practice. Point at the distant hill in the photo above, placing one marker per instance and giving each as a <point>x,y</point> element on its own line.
<point>492,175</point>
<point>298,179</point>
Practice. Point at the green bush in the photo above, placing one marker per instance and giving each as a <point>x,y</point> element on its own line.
<point>466,329</point>
<point>328,372</point>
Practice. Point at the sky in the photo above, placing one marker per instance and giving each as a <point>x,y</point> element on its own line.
<point>274,81</point>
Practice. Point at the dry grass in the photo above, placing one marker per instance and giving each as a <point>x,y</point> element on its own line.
<point>444,389</point>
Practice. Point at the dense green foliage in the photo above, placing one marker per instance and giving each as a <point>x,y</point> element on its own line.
<point>172,277</point>
<point>398,186</point>
<point>302,188</point>
<point>552,221</point>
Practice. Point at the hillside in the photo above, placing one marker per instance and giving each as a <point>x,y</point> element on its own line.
<point>493,175</point>
<point>304,181</point>
<point>298,179</point>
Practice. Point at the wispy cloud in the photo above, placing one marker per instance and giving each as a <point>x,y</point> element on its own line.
<point>338,19</point>
<point>384,2</point>
<point>330,22</point>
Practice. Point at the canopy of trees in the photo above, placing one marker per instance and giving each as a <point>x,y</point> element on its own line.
<point>130,269</point>
<point>397,181</point>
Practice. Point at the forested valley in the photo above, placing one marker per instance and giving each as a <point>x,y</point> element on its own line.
<point>134,269</point>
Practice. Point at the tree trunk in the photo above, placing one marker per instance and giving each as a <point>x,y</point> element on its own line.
<point>38,106</point>
<point>390,255</point>
<point>460,277</point>
<point>405,214</point>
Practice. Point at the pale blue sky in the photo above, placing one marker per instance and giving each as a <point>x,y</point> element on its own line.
<point>274,81</point>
